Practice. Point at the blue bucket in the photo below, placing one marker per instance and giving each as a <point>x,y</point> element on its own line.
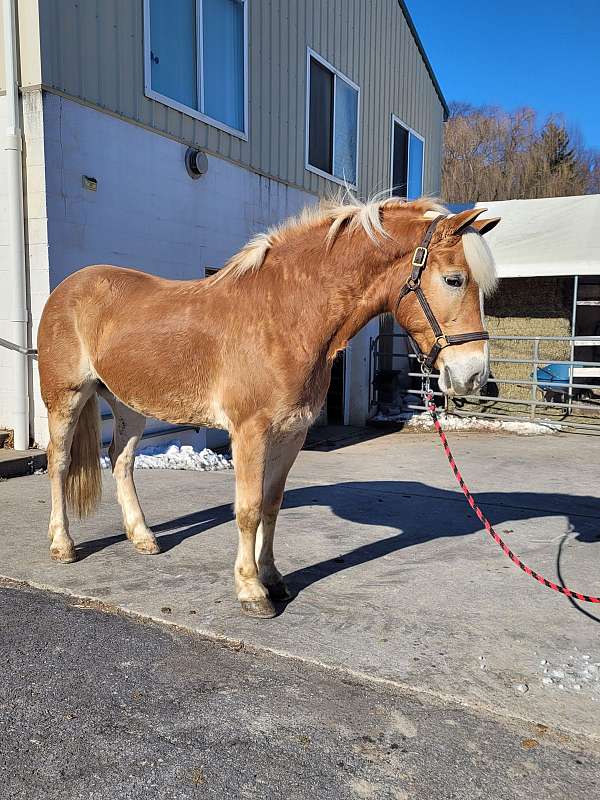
<point>553,377</point>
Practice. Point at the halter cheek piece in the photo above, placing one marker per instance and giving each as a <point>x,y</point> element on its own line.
<point>413,284</point>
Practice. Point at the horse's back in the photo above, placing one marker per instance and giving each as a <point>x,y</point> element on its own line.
<point>102,282</point>
<point>99,293</point>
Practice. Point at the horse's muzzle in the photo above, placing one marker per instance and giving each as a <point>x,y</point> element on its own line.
<point>463,377</point>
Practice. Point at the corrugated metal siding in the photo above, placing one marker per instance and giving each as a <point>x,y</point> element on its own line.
<point>93,51</point>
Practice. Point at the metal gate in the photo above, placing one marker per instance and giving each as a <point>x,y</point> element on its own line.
<point>553,380</point>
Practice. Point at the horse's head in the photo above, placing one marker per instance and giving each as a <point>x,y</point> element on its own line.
<point>458,271</point>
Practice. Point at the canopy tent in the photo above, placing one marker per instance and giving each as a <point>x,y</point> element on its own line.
<point>548,237</point>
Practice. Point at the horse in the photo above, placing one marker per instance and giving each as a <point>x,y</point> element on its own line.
<point>250,350</point>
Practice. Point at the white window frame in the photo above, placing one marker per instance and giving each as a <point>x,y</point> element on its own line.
<point>396,119</point>
<point>310,53</point>
<point>192,112</point>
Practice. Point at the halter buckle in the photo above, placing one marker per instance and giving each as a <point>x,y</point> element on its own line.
<point>420,257</point>
<point>442,341</point>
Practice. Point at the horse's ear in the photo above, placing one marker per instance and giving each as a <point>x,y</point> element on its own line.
<point>458,223</point>
<point>486,225</point>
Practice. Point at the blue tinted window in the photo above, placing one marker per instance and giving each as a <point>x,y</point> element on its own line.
<point>320,109</point>
<point>415,167</point>
<point>173,50</point>
<point>400,161</point>
<point>345,131</point>
<point>175,55</point>
<point>223,61</point>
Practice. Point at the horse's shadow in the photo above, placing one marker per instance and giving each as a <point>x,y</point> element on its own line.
<point>420,513</point>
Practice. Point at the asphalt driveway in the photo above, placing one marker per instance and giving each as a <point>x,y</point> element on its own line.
<point>97,705</point>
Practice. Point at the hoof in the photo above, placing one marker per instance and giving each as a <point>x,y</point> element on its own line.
<point>278,591</point>
<point>63,556</point>
<point>149,547</point>
<point>261,609</point>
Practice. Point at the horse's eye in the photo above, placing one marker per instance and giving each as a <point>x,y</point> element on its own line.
<point>456,281</point>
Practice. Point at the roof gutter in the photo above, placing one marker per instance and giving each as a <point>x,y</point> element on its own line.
<point>17,282</point>
<point>426,61</point>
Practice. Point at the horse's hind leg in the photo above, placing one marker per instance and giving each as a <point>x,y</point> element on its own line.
<point>281,456</point>
<point>129,426</point>
<point>63,416</point>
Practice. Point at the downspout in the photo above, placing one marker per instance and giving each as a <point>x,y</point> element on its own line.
<point>16,224</point>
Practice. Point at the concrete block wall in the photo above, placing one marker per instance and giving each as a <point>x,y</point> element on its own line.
<point>36,238</point>
<point>147,212</point>
<point>6,357</point>
<point>36,253</point>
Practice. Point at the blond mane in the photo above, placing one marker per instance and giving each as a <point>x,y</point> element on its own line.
<point>338,212</point>
<point>352,214</point>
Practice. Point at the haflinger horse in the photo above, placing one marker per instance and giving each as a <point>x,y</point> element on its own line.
<point>250,350</point>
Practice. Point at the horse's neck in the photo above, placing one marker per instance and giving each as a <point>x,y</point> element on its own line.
<point>320,298</point>
<point>353,292</point>
<point>354,316</point>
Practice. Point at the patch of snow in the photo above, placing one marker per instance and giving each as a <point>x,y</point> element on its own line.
<point>451,422</point>
<point>578,673</point>
<point>174,455</point>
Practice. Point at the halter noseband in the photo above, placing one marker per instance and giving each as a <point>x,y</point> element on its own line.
<point>413,284</point>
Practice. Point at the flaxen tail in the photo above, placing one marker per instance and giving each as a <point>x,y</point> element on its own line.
<point>84,480</point>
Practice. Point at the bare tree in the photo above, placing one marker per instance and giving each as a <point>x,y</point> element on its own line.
<point>490,154</point>
<point>593,169</point>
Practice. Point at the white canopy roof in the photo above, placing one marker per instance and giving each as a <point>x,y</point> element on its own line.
<point>551,236</point>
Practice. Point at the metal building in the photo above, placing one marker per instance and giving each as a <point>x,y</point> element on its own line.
<point>283,99</point>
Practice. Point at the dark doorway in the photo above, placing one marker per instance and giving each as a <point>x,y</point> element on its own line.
<point>335,395</point>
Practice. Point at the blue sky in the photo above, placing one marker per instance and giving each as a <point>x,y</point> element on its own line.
<point>543,54</point>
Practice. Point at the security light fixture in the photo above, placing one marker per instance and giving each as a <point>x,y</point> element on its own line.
<point>196,162</point>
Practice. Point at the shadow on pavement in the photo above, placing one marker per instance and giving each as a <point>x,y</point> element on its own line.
<point>391,504</point>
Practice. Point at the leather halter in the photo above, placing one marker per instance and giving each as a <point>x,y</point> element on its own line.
<point>413,284</point>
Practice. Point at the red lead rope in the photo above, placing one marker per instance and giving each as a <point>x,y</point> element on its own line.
<point>488,526</point>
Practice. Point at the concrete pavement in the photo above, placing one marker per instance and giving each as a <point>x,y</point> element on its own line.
<point>393,578</point>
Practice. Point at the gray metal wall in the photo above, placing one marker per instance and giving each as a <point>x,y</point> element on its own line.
<point>93,50</point>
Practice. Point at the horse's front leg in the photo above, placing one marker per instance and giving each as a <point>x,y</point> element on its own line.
<point>249,454</point>
<point>281,455</point>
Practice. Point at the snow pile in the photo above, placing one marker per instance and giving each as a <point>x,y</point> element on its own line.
<point>421,421</point>
<point>174,455</point>
<point>578,672</point>
<point>451,422</point>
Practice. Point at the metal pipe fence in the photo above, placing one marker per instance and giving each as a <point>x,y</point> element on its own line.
<point>532,379</point>
<point>25,351</point>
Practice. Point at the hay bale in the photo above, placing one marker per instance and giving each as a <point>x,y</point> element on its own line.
<point>527,307</point>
